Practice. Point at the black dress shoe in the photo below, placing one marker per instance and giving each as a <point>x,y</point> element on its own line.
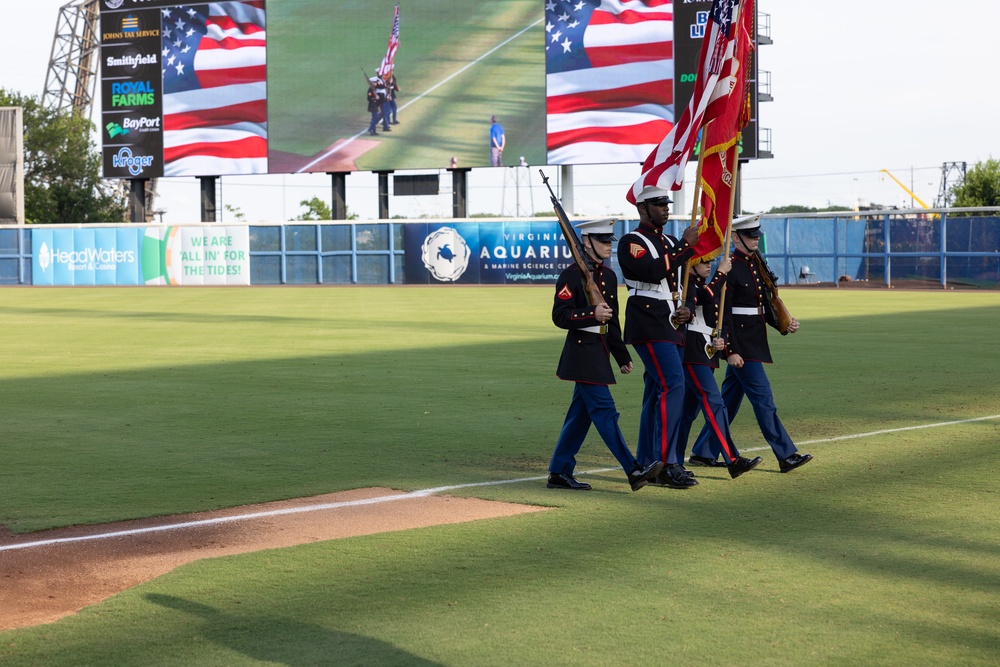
<point>564,481</point>
<point>705,461</point>
<point>394,122</point>
<point>640,477</point>
<point>675,477</point>
<point>742,465</point>
<point>794,461</point>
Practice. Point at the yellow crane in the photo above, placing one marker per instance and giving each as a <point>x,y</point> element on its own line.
<point>908,191</point>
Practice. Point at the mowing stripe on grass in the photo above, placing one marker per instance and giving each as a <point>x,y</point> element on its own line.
<point>420,493</point>
<point>440,83</point>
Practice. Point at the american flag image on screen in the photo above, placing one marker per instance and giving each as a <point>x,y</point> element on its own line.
<point>609,79</point>
<point>214,89</point>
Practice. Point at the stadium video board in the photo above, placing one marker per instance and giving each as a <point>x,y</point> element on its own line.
<point>281,86</point>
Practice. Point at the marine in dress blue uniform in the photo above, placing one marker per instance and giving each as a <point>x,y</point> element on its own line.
<point>593,336</point>
<point>652,263</point>
<point>701,390</point>
<point>747,316</point>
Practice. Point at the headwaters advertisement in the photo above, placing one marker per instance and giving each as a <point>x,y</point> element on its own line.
<point>144,255</point>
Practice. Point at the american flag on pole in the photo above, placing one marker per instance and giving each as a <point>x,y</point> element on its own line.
<point>390,52</point>
<point>720,147</point>
<point>664,167</point>
<point>609,78</point>
<point>214,89</point>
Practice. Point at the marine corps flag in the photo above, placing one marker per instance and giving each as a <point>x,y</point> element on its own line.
<point>720,147</point>
<point>390,53</point>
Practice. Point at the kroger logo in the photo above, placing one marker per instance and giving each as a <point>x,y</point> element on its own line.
<point>134,163</point>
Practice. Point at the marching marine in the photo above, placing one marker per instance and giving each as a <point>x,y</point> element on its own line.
<point>593,336</point>
<point>652,263</point>
<point>748,313</point>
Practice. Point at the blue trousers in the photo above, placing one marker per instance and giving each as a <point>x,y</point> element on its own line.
<point>591,404</point>
<point>662,402</point>
<point>702,394</point>
<point>751,381</point>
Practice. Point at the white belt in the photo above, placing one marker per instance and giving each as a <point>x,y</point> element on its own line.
<point>700,328</point>
<point>603,329</point>
<point>740,310</point>
<point>654,294</point>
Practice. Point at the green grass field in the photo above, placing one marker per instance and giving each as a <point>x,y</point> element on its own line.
<point>316,88</point>
<point>124,403</point>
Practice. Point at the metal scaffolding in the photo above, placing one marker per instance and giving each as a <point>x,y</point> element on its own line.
<point>72,75</point>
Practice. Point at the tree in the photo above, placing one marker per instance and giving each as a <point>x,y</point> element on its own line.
<point>62,168</point>
<point>797,208</point>
<point>316,209</point>
<point>981,186</point>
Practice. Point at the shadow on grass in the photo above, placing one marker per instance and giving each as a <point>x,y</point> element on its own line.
<point>283,641</point>
<point>103,446</point>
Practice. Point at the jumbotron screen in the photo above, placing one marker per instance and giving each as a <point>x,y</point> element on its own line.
<point>294,86</point>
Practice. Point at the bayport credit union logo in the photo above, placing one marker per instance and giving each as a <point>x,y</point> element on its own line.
<point>445,254</point>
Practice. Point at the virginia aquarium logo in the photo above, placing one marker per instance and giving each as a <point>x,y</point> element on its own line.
<point>445,254</point>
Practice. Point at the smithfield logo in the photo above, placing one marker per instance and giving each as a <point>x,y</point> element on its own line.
<point>132,60</point>
<point>445,254</point>
<point>134,163</point>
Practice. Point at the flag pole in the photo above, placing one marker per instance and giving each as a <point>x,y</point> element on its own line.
<point>695,206</point>
<point>729,237</point>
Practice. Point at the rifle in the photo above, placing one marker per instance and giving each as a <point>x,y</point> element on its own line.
<point>575,247</point>
<point>770,282</point>
<point>371,86</point>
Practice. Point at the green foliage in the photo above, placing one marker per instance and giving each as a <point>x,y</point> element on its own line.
<point>798,208</point>
<point>235,212</point>
<point>62,168</point>
<point>981,186</point>
<point>316,209</point>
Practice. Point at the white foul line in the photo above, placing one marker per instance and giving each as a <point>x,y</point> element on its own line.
<point>420,493</point>
<point>423,94</point>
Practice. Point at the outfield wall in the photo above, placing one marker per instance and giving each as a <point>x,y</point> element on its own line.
<point>947,248</point>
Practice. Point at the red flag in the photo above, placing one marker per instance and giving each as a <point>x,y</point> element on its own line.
<point>390,52</point>
<point>720,146</point>
<point>665,165</point>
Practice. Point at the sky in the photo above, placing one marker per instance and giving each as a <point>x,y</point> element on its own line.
<point>858,85</point>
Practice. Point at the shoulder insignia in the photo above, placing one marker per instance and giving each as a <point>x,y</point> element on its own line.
<point>565,293</point>
<point>636,250</point>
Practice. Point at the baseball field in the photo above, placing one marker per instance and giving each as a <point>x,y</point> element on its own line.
<point>127,404</point>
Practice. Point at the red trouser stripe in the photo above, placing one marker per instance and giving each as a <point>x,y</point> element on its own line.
<point>661,404</point>
<point>710,415</point>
